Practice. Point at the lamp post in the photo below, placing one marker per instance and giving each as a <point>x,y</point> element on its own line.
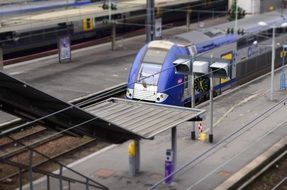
<point>211,102</point>
<point>261,23</point>
<point>272,64</point>
<point>203,65</point>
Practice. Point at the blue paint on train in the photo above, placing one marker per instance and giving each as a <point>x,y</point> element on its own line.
<point>169,83</point>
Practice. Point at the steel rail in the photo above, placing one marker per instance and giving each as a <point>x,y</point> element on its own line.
<point>48,160</point>
<point>59,163</point>
<point>33,145</point>
<point>261,171</point>
<point>244,128</point>
<point>81,102</point>
<point>23,138</point>
<point>280,183</point>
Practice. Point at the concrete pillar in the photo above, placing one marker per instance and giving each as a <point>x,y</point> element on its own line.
<point>134,157</point>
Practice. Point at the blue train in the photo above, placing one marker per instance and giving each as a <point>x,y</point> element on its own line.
<point>152,76</point>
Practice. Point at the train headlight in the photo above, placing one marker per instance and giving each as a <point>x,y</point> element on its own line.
<point>160,97</point>
<point>129,93</point>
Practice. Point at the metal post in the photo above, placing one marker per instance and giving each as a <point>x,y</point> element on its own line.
<point>20,179</point>
<point>30,169</point>
<point>87,184</point>
<point>113,36</point>
<point>132,159</point>
<point>1,59</point>
<point>150,21</point>
<point>174,146</point>
<point>236,17</point>
<point>137,156</point>
<point>110,11</point>
<point>60,178</point>
<point>282,74</point>
<point>188,20</point>
<point>272,64</point>
<point>48,182</point>
<point>284,54</point>
<point>211,105</point>
<point>192,105</point>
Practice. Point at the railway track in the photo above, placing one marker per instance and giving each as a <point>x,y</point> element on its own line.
<point>13,175</point>
<point>271,175</point>
<point>41,140</point>
<point>116,91</point>
<point>281,184</point>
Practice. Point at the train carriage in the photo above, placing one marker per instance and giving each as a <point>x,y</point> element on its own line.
<point>152,76</point>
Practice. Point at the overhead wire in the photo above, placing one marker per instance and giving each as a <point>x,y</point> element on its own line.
<point>139,100</point>
<point>239,131</point>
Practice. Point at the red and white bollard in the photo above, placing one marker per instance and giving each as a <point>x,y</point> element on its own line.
<point>200,128</point>
<point>201,134</point>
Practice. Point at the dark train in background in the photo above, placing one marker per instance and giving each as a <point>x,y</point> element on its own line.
<point>17,43</point>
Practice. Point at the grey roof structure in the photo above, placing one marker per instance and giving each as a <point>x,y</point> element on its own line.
<point>249,25</point>
<point>142,118</point>
<point>114,120</point>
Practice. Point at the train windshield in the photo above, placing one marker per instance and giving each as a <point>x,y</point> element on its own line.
<point>149,74</point>
<point>155,55</point>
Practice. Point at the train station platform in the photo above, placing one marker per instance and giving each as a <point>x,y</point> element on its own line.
<point>247,123</point>
<point>90,71</point>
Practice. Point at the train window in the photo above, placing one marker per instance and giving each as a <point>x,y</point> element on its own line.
<point>149,74</point>
<point>241,43</point>
<point>192,50</point>
<point>246,41</point>
<point>281,31</point>
<point>155,55</point>
<point>101,18</point>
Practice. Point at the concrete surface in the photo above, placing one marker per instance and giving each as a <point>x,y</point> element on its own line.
<point>235,179</point>
<point>207,172</point>
<point>97,68</point>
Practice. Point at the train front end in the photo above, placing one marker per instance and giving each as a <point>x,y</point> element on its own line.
<point>152,77</point>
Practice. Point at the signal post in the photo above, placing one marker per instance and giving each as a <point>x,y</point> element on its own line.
<point>201,66</point>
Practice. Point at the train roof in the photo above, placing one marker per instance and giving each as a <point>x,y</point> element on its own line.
<point>249,25</point>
